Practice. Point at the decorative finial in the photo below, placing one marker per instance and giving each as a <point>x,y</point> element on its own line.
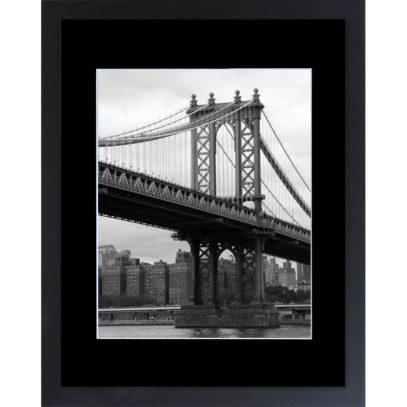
<point>211,99</point>
<point>238,98</point>
<point>194,102</point>
<point>256,94</point>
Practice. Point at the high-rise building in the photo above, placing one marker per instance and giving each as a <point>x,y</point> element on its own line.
<point>226,278</point>
<point>268,271</point>
<point>112,280</point>
<point>123,258</point>
<point>156,282</point>
<point>272,272</point>
<point>183,257</point>
<point>286,276</point>
<point>134,280</point>
<point>134,261</point>
<point>303,273</point>
<point>106,255</point>
<point>180,283</point>
<point>99,281</point>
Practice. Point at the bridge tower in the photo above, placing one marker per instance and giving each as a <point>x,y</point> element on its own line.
<point>243,120</point>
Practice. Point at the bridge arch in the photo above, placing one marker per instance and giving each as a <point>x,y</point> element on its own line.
<point>227,272</point>
<point>225,160</point>
<point>226,124</point>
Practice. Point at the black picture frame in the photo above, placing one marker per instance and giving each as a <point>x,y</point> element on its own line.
<point>77,37</point>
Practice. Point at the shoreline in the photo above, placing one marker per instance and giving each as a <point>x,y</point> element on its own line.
<point>168,323</point>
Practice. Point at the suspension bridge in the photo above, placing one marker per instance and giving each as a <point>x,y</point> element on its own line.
<point>219,177</point>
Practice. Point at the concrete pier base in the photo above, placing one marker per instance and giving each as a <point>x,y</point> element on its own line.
<point>233,316</point>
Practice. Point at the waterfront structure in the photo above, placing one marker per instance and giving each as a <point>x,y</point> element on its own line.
<point>294,313</point>
<point>149,315</point>
<point>159,315</point>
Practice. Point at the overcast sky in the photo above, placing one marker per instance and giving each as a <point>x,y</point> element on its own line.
<point>131,98</point>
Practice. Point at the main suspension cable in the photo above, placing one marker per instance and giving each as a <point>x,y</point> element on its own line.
<point>282,206</point>
<point>285,151</point>
<point>142,127</point>
<point>176,130</point>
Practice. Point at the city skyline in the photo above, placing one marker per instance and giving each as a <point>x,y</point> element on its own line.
<point>125,280</point>
<point>172,258</point>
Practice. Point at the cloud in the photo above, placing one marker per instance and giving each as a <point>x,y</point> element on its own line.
<point>148,244</point>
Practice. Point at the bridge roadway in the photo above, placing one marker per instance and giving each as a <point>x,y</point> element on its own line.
<point>137,197</point>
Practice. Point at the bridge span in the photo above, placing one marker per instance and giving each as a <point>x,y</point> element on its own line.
<point>140,198</point>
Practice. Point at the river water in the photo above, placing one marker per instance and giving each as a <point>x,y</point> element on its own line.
<point>170,332</point>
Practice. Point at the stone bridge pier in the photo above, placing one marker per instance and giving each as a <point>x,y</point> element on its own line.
<point>248,308</point>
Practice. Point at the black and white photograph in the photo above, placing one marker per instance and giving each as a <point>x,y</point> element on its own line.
<point>204,203</point>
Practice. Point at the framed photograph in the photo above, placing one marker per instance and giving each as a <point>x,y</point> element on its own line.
<point>186,195</point>
<point>203,203</point>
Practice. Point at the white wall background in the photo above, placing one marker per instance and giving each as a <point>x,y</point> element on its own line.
<point>386,166</point>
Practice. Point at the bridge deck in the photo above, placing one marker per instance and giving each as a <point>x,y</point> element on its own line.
<point>136,197</point>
